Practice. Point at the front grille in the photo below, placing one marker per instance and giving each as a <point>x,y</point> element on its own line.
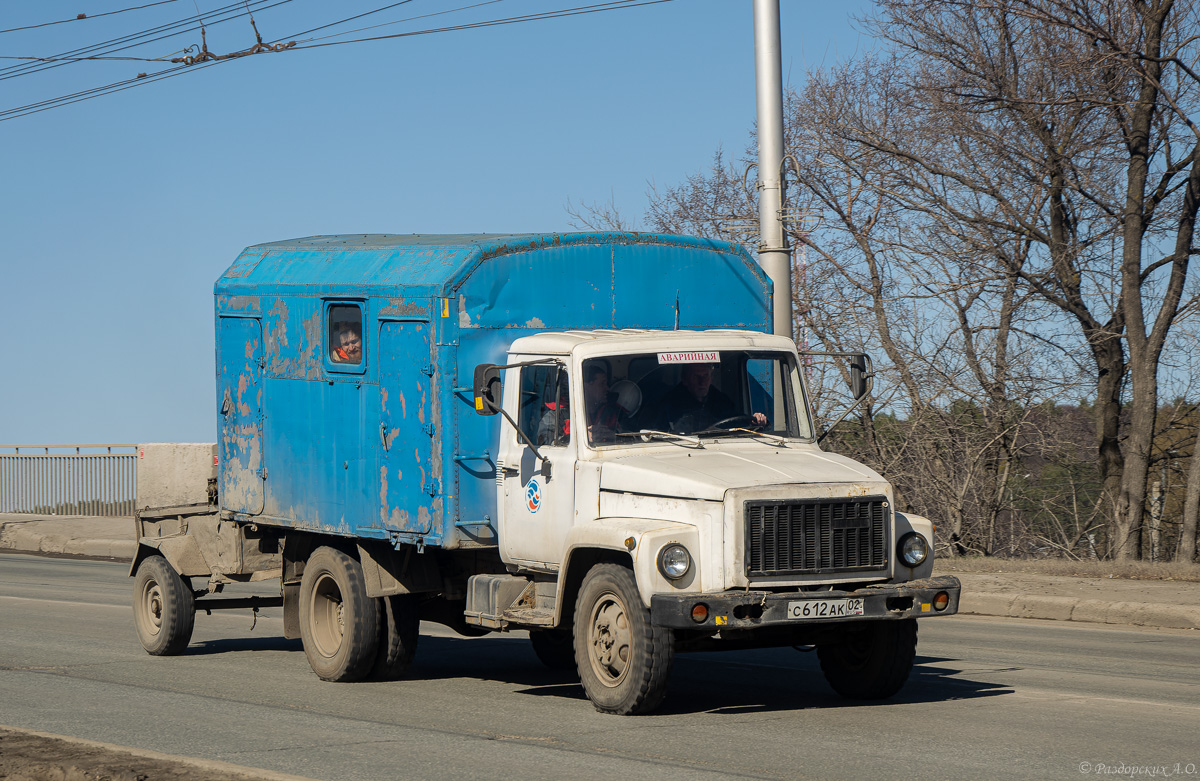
<point>816,536</point>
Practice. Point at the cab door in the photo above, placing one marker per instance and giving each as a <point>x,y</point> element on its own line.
<point>538,510</point>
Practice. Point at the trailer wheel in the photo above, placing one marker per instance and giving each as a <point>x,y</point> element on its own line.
<point>163,609</point>
<point>399,628</point>
<point>339,623</point>
<point>624,660</point>
<point>873,661</point>
<point>554,647</point>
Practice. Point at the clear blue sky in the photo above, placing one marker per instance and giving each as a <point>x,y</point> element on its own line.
<point>119,213</point>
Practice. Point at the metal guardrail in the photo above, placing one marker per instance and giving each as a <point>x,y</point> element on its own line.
<point>91,480</point>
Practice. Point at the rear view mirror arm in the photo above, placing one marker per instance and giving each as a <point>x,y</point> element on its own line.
<point>862,374</point>
<point>841,417</point>
<point>521,435</point>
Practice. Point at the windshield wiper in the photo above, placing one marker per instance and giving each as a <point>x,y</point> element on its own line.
<point>778,439</point>
<point>648,434</point>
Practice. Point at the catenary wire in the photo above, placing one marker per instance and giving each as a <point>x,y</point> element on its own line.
<point>577,11</point>
<point>120,86</point>
<point>133,36</point>
<point>171,29</point>
<point>224,14</point>
<point>399,21</point>
<point>85,17</point>
<point>350,18</point>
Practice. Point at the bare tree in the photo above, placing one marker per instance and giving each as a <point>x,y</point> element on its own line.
<point>945,326</point>
<point>598,216</point>
<point>1011,182</point>
<point>1087,105</point>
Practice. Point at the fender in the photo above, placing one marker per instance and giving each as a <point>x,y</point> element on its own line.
<point>181,551</point>
<point>607,539</point>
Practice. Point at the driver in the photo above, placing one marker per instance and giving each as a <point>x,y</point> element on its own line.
<point>694,404</point>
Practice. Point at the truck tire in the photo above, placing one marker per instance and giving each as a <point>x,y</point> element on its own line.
<point>624,660</point>
<point>399,628</point>
<point>555,648</point>
<point>164,612</point>
<point>339,623</point>
<point>873,661</point>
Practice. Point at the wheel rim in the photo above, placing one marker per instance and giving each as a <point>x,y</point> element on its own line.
<point>609,639</point>
<point>151,611</point>
<point>327,612</point>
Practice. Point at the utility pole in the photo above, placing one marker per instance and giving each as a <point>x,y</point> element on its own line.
<point>773,253</point>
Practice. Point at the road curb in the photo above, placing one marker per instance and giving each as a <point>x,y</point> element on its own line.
<point>1096,611</point>
<point>18,536</point>
<point>211,765</point>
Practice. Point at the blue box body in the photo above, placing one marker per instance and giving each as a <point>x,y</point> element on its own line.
<point>392,448</point>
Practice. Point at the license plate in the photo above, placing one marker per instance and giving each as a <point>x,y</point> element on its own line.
<point>825,608</point>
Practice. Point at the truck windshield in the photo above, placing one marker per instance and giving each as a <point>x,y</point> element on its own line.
<point>698,394</point>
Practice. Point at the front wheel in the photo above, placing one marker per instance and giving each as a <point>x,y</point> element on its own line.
<point>872,661</point>
<point>164,612</point>
<point>624,660</point>
<point>339,623</point>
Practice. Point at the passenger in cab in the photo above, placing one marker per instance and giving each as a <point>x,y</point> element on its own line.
<point>349,344</point>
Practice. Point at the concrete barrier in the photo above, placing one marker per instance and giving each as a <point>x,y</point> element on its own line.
<point>1084,610</point>
<point>170,474</point>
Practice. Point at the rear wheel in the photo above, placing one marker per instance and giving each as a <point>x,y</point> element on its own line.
<point>339,623</point>
<point>624,660</point>
<point>872,661</point>
<point>399,628</point>
<point>164,612</point>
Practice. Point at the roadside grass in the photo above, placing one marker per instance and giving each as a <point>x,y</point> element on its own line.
<point>1130,570</point>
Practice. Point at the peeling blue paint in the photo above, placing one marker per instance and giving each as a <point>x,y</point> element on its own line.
<point>369,450</point>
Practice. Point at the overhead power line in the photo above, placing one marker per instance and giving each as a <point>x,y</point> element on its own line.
<point>78,59</point>
<point>352,18</point>
<point>107,48</point>
<point>84,17</point>
<point>179,70</point>
<point>493,23</point>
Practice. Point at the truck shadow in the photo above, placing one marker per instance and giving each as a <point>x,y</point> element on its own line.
<point>729,683</point>
<point>735,682</point>
<point>737,685</point>
<point>231,645</point>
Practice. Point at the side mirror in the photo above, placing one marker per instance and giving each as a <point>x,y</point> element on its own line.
<point>486,388</point>
<point>859,375</point>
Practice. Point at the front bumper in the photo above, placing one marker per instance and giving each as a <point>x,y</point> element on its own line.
<point>728,610</point>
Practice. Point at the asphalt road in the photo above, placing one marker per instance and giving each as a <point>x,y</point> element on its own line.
<point>989,699</point>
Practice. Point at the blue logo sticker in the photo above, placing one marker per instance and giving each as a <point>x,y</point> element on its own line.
<point>533,495</point>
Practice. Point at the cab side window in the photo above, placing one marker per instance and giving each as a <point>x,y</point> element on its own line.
<point>344,340</point>
<point>545,414</point>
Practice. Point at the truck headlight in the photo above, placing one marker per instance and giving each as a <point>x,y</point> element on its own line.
<point>912,549</point>
<point>674,561</point>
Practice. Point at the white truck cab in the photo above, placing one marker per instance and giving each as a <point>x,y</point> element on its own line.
<point>690,458</point>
